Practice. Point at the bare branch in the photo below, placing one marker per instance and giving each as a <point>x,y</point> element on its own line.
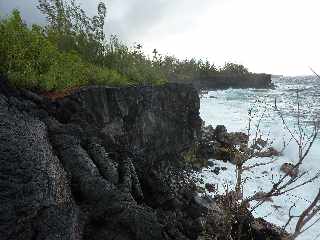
<point>291,217</point>
<point>307,215</point>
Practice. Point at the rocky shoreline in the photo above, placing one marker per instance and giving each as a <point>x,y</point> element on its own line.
<point>231,80</point>
<point>218,143</point>
<point>102,163</point>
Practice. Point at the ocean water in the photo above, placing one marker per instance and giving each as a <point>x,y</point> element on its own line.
<point>231,108</point>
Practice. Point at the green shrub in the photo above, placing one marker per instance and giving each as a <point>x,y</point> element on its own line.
<point>72,52</point>
<point>234,68</point>
<point>132,63</point>
<point>30,60</point>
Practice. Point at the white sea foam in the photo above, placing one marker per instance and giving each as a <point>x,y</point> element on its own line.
<point>230,108</point>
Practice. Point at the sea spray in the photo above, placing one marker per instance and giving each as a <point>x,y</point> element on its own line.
<point>230,108</point>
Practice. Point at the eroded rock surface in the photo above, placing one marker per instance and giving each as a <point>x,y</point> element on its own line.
<point>102,163</point>
<point>35,194</point>
<point>218,143</point>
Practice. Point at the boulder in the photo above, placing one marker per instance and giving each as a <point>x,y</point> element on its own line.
<point>260,143</point>
<point>216,170</point>
<point>219,144</point>
<point>221,133</point>
<point>237,139</point>
<point>210,187</point>
<point>211,163</point>
<point>207,133</point>
<point>270,152</point>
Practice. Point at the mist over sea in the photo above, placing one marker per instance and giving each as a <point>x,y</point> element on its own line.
<point>230,108</point>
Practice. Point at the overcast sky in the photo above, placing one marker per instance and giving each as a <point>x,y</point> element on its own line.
<point>274,36</point>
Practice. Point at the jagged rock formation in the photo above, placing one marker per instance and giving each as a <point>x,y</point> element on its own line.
<point>35,197</point>
<point>219,144</point>
<point>102,163</point>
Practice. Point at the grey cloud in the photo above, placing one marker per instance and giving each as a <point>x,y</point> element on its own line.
<point>132,20</point>
<point>137,17</point>
<point>27,8</point>
<point>142,17</point>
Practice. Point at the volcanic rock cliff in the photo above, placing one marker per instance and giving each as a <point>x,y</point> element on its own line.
<point>101,163</point>
<point>105,163</point>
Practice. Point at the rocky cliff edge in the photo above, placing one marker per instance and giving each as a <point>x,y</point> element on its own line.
<point>101,163</point>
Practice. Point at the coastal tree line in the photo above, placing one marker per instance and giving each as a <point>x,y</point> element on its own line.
<point>72,50</point>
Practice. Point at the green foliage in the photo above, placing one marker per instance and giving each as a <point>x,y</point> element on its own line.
<point>31,60</point>
<point>66,17</point>
<point>131,62</point>
<point>25,54</point>
<point>188,69</point>
<point>71,51</point>
<point>72,30</point>
<point>234,68</point>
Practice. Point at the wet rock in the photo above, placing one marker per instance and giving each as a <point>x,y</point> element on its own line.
<point>237,139</point>
<point>219,144</point>
<point>288,168</point>
<point>210,187</point>
<point>230,139</point>
<point>220,134</point>
<point>270,152</point>
<point>211,163</point>
<point>207,133</point>
<point>216,170</point>
<point>201,181</point>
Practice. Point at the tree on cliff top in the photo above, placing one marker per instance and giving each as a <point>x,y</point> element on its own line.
<point>72,51</point>
<point>71,29</point>
<point>234,68</point>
